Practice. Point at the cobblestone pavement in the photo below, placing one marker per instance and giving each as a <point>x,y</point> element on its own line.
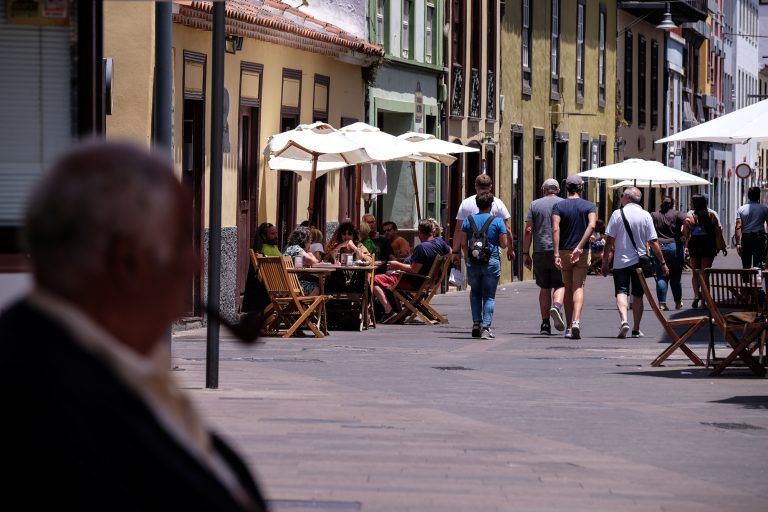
<point>425,418</point>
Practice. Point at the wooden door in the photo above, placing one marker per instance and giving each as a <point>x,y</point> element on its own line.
<point>248,190</point>
<point>193,170</point>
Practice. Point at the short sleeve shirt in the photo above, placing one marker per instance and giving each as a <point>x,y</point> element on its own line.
<point>495,230</point>
<point>641,223</point>
<point>574,219</point>
<point>540,215</point>
<point>425,254</point>
<point>469,207</point>
<point>753,217</point>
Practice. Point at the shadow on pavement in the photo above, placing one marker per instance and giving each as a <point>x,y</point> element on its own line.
<point>695,373</point>
<point>747,401</point>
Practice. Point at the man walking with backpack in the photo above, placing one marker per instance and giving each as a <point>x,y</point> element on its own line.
<point>573,221</point>
<point>485,234</point>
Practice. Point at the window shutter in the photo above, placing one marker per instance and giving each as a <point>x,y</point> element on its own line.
<point>35,108</point>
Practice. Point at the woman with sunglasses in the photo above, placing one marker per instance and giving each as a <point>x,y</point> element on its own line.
<point>346,240</point>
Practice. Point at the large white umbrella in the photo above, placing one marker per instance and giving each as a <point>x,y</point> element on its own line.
<point>429,146</point>
<point>316,143</point>
<point>661,184</point>
<point>748,124</point>
<point>384,147</point>
<point>643,171</point>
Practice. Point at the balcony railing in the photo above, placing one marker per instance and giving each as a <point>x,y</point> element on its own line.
<point>457,101</point>
<point>474,101</point>
<point>490,107</point>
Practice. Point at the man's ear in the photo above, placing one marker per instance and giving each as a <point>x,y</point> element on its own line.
<point>125,263</point>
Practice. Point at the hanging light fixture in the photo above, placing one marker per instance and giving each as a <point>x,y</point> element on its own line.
<point>667,23</point>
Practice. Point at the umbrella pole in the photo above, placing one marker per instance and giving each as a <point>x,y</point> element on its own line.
<point>312,186</point>
<point>416,190</point>
<point>358,193</point>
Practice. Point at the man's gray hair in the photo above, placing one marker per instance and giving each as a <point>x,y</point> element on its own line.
<point>634,194</point>
<point>94,195</point>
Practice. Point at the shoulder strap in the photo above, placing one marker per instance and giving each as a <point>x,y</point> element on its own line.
<point>472,224</point>
<point>486,225</point>
<point>629,230</point>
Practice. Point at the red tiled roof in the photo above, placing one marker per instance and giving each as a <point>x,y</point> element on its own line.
<point>276,22</point>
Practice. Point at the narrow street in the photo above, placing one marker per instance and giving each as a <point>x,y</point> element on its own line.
<point>426,418</point>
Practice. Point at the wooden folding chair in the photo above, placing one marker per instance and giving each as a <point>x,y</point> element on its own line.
<point>426,307</point>
<point>269,311</point>
<point>723,289</point>
<point>678,340</point>
<point>413,300</point>
<point>292,308</point>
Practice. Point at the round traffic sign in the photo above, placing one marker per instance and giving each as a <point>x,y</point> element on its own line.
<point>743,170</point>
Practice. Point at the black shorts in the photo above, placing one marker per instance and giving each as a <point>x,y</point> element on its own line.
<point>626,280</point>
<point>547,274</point>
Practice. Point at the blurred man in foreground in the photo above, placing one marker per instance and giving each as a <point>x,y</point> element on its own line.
<point>94,420</point>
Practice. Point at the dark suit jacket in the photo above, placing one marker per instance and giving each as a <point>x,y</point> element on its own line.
<point>74,437</point>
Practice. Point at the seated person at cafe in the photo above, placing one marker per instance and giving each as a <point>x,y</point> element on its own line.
<point>316,246</point>
<point>419,262</point>
<point>266,243</point>
<point>437,232</point>
<point>400,246</point>
<point>384,250</point>
<point>365,237</point>
<point>347,241</point>
<point>298,245</point>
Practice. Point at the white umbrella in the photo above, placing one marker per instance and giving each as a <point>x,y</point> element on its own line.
<point>747,124</point>
<point>316,143</point>
<point>384,147</point>
<point>642,171</point>
<point>431,146</point>
<point>662,183</point>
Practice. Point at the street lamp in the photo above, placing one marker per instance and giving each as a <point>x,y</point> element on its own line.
<point>666,22</point>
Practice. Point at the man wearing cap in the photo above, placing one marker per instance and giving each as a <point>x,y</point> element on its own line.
<point>538,228</point>
<point>750,230</point>
<point>573,221</point>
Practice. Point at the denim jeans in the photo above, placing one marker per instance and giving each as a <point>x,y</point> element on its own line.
<point>483,279</point>
<point>673,256</point>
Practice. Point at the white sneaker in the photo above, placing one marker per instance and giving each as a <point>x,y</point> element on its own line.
<point>638,334</point>
<point>575,330</point>
<point>568,333</point>
<point>679,305</point>
<point>623,330</point>
<point>557,315</point>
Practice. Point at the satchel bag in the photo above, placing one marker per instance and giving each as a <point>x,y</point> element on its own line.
<point>720,240</point>
<point>645,262</point>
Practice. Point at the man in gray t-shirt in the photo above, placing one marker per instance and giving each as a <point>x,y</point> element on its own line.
<point>549,279</point>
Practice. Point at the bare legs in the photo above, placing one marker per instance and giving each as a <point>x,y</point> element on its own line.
<point>546,297</point>
<point>699,264</point>
<point>574,302</point>
<point>637,309</point>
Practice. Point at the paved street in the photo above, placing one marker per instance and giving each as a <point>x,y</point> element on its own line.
<point>368,421</point>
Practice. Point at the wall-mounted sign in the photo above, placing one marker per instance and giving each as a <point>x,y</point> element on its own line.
<point>743,170</point>
<point>39,12</point>
<point>419,101</point>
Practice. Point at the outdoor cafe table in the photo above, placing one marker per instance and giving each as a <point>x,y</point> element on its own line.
<point>323,271</point>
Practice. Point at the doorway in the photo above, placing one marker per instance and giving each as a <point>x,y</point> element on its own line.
<point>473,169</point>
<point>286,191</point>
<point>560,161</point>
<point>248,191</point>
<point>517,206</point>
<point>193,170</point>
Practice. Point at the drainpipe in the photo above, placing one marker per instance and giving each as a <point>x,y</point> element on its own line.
<point>161,136</point>
<point>214,232</point>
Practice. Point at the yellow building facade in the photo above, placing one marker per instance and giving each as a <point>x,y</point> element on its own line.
<point>281,74</point>
<point>558,113</point>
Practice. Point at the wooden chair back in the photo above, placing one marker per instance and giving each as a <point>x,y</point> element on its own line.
<point>273,270</point>
<point>652,301</point>
<point>733,288</point>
